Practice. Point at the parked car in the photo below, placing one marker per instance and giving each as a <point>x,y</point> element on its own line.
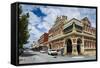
<point>42,51</point>
<point>52,52</point>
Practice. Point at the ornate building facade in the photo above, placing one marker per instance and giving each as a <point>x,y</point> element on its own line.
<point>76,37</point>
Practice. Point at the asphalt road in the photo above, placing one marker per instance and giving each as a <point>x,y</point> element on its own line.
<point>30,56</point>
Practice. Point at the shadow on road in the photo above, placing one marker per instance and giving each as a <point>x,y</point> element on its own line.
<point>27,54</point>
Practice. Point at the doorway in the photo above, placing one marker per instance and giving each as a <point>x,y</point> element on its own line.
<point>69,46</point>
<point>79,41</point>
<point>50,46</point>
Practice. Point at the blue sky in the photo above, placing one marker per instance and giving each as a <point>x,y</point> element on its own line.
<point>42,18</point>
<point>38,12</point>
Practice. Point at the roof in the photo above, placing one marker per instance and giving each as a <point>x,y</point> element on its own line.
<point>70,22</point>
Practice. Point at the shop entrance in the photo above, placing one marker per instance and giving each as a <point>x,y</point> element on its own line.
<point>69,46</point>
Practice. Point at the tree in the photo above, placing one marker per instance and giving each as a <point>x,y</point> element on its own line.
<point>23,32</point>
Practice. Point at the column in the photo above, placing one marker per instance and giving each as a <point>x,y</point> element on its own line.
<point>82,46</point>
<point>65,48</point>
<point>74,49</point>
<point>74,46</point>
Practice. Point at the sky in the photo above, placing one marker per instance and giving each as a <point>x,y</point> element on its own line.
<point>42,18</point>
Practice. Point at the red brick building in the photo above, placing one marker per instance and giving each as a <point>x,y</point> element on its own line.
<point>43,41</point>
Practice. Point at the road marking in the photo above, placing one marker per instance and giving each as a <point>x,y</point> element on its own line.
<point>78,57</point>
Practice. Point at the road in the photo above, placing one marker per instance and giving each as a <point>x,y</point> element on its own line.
<point>30,56</point>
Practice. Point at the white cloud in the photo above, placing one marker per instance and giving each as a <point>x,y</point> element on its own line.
<point>46,25</point>
<point>90,13</point>
<point>40,26</point>
<point>35,32</point>
<point>53,12</point>
<point>33,19</point>
<point>93,22</point>
<point>70,12</point>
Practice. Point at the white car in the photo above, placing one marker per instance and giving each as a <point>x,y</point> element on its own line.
<point>52,52</point>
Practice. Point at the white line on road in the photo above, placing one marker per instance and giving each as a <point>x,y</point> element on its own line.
<point>78,57</point>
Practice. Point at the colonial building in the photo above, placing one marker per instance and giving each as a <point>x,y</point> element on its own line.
<point>43,41</point>
<point>75,36</point>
